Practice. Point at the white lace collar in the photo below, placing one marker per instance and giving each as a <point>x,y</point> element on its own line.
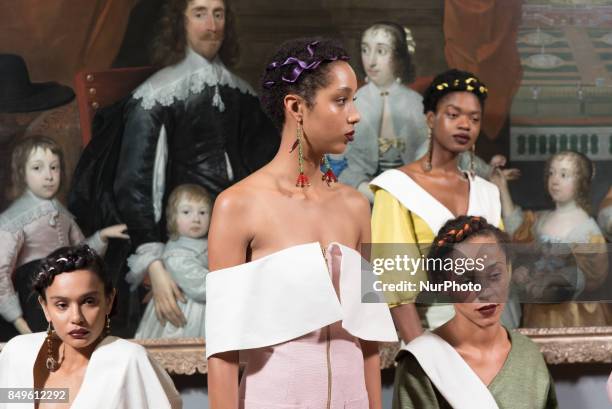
<point>186,78</point>
<point>29,200</point>
<point>28,208</point>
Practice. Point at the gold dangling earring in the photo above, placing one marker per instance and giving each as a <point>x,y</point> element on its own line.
<point>107,330</point>
<point>51,362</point>
<point>428,166</point>
<point>472,165</point>
<point>302,179</point>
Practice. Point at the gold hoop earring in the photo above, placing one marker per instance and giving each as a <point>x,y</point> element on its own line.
<point>107,329</point>
<point>472,165</point>
<point>51,363</point>
<point>428,165</point>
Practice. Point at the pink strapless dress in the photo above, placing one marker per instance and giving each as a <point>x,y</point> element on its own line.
<point>320,370</point>
<point>300,343</point>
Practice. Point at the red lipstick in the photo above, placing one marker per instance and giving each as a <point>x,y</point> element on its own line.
<point>488,310</point>
<point>79,333</point>
<point>462,139</point>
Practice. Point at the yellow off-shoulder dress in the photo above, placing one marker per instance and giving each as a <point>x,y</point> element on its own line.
<point>406,218</point>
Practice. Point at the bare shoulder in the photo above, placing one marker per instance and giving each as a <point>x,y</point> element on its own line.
<point>243,195</point>
<point>229,201</point>
<point>353,200</point>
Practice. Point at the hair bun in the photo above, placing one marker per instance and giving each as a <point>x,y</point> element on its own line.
<point>453,81</point>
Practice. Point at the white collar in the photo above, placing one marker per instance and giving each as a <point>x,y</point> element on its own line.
<point>269,306</point>
<point>193,56</point>
<point>483,198</point>
<point>30,196</point>
<point>188,77</point>
<point>450,374</point>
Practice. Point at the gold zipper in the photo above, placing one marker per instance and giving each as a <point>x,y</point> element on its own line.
<point>328,346</point>
<point>329,370</point>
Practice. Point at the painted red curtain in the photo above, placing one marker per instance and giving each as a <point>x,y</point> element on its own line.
<point>59,37</point>
<point>480,36</point>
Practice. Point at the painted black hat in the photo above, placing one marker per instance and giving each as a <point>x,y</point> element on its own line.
<point>19,94</point>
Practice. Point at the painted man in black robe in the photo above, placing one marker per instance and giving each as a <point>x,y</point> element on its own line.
<point>193,121</point>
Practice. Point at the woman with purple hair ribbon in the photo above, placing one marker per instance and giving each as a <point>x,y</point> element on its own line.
<point>284,288</point>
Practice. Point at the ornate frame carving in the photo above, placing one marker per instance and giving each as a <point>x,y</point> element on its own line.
<point>578,345</point>
<point>573,345</point>
<point>181,356</point>
<point>559,345</point>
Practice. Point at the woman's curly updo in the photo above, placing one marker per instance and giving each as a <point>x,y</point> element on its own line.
<point>299,67</point>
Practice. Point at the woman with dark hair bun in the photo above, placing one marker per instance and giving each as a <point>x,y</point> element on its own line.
<point>472,361</point>
<point>392,131</point>
<point>77,353</point>
<point>414,201</point>
<point>285,274</point>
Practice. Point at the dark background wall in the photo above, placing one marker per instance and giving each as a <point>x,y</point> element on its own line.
<point>263,24</point>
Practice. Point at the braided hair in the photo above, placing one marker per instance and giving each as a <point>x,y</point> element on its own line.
<point>66,260</point>
<point>454,232</point>
<point>453,81</point>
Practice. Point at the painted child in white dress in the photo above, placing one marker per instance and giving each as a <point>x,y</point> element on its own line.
<point>568,178</point>
<point>185,256</point>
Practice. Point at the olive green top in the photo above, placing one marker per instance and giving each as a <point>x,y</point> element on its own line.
<point>523,382</point>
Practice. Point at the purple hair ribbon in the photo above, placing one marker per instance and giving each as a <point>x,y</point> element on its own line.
<point>300,65</point>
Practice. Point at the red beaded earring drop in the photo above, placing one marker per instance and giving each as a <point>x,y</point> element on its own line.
<point>302,179</point>
<point>329,176</point>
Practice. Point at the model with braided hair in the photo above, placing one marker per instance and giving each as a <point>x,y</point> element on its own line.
<point>77,353</point>
<point>473,361</point>
<point>271,297</point>
<point>567,177</point>
<point>458,230</point>
<point>414,201</point>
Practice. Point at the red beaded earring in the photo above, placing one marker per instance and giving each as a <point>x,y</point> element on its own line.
<point>302,179</point>
<point>329,176</point>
